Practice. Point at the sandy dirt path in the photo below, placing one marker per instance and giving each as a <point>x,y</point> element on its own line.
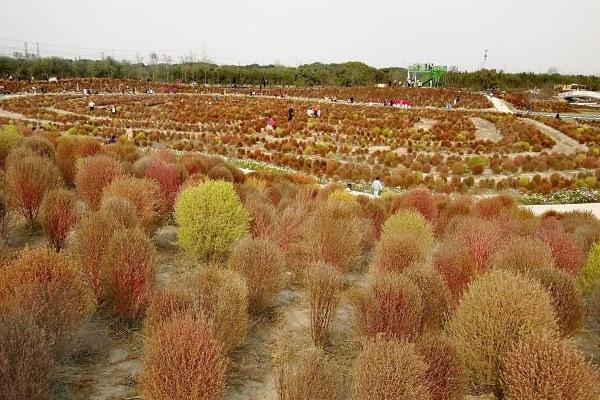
<point>486,130</point>
<point>564,144</point>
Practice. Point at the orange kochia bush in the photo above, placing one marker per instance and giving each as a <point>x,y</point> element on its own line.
<point>94,175</point>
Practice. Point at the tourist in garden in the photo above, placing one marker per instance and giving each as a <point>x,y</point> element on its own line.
<point>112,139</point>
<point>290,114</point>
<point>91,105</point>
<point>271,123</point>
<point>113,110</point>
<point>377,187</point>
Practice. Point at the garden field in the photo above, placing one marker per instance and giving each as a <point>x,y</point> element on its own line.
<point>465,150</point>
<point>202,255</point>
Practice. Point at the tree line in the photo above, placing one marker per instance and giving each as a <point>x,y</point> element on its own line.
<point>316,74</point>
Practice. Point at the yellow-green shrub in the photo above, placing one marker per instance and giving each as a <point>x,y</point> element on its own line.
<point>497,310</point>
<point>211,219</point>
<point>409,222</point>
<point>590,274</point>
<point>9,138</point>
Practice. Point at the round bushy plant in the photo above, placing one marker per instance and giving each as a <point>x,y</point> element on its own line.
<point>129,273</point>
<point>26,365</point>
<point>211,219</point>
<point>390,305</point>
<point>121,210</point>
<point>497,310</point>
<point>183,360</point>
<point>94,174</point>
<point>568,255</point>
<point>91,239</point>
<point>9,138</point>
<point>409,222</point>
<point>28,179</point>
<point>590,274</point>
<point>451,259</point>
<point>446,375</point>
<point>39,145</point>
<point>434,294</point>
<point>323,285</point>
<point>389,370</point>
<point>168,177</point>
<point>523,254</point>
<point>396,252</point>
<point>335,235</point>
<point>308,374</point>
<point>261,263</point>
<point>544,367</point>
<point>567,301</point>
<point>49,287</point>
<point>58,216</point>
<point>220,296</point>
<point>144,194</point>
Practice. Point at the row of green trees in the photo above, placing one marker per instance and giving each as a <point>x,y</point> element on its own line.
<point>316,74</point>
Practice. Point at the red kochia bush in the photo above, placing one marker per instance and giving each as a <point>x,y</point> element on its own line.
<point>420,200</point>
<point>391,306</point>
<point>129,273</point>
<point>168,178</point>
<point>183,361</point>
<point>493,207</point>
<point>58,215</point>
<point>94,175</point>
<point>25,358</point>
<point>481,239</point>
<point>446,373</point>
<point>28,179</point>
<point>568,255</point>
<point>452,261</point>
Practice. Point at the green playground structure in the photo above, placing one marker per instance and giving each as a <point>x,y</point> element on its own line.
<point>426,75</point>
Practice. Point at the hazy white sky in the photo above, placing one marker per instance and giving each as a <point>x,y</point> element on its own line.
<point>532,35</point>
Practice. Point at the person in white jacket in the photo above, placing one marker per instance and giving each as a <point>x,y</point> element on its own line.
<point>377,187</point>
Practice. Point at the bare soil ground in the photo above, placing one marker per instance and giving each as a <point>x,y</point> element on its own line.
<point>564,144</point>
<point>425,124</point>
<point>486,130</point>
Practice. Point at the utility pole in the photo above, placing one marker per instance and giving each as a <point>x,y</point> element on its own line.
<point>153,62</point>
<point>37,49</point>
<point>26,52</point>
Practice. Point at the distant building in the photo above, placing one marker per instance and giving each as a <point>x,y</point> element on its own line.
<point>569,87</point>
<point>22,56</point>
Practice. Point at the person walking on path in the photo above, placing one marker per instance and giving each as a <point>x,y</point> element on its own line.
<point>377,187</point>
<point>290,114</point>
<point>91,105</point>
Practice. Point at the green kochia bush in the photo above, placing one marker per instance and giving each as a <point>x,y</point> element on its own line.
<point>211,218</point>
<point>590,274</point>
